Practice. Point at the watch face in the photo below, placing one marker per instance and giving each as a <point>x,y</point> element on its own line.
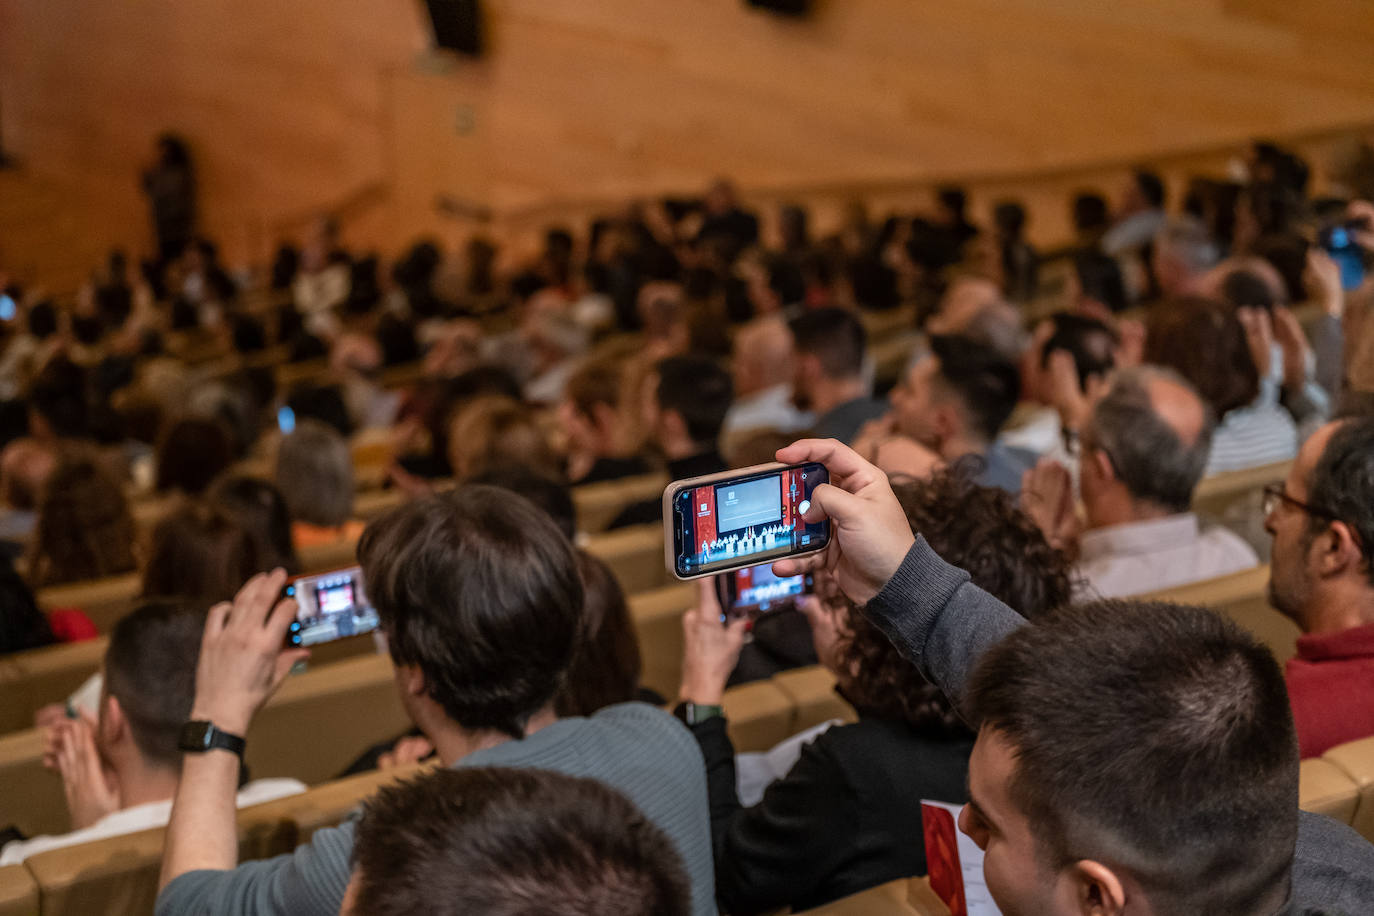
<point>195,736</point>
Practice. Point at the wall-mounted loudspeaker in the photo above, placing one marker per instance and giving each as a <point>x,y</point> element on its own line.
<point>785,7</point>
<point>457,25</point>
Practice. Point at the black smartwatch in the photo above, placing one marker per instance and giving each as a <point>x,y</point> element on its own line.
<point>198,737</point>
<point>696,713</point>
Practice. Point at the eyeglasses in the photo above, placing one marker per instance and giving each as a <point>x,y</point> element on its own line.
<point>1275,494</point>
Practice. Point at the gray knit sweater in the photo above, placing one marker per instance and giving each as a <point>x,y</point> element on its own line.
<point>942,623</point>
<point>642,751</point>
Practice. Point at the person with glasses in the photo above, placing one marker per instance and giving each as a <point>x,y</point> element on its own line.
<point>1140,456</point>
<point>846,816</point>
<point>1322,577</point>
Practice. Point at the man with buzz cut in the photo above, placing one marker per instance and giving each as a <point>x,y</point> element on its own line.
<point>1132,757</point>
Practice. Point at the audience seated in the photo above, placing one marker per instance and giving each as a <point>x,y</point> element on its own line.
<point>1184,251</point>
<point>592,423</point>
<point>493,432</point>
<point>1140,457</point>
<point>84,530</point>
<point>199,551</point>
<point>490,842</point>
<point>191,453</point>
<point>1205,342</point>
<point>761,366</point>
<point>605,666</point>
<point>1322,576</point>
<point>685,402</point>
<point>847,816</point>
<point>954,399</point>
<point>480,602</point>
<point>314,472</point>
<point>119,763</point>
<point>1175,789</point>
<point>832,378</point>
<point>258,508</point>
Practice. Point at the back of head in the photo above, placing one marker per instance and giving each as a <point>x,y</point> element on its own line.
<point>259,509</point>
<point>58,394</point>
<point>1150,187</point>
<point>479,590</point>
<point>985,383</point>
<point>1153,738</point>
<point>1187,242</point>
<point>1090,213</point>
<point>1100,278</point>
<point>978,529</point>
<point>192,452</point>
<point>1091,343</point>
<point>1148,455</point>
<point>1204,341</point>
<point>321,402</point>
<point>548,493</point>
<point>199,552</point>
<point>597,382</point>
<point>494,432</point>
<point>606,662</point>
<point>42,320</point>
<point>314,471</point>
<point>1342,483</point>
<point>505,842</point>
<point>698,390</point>
<point>1010,219</point>
<point>836,338</point>
<point>150,668</point>
<point>85,529</point>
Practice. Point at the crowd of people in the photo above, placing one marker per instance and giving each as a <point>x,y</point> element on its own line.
<point>998,508</point>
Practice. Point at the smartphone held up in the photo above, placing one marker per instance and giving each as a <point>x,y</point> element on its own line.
<point>743,518</point>
<point>330,606</point>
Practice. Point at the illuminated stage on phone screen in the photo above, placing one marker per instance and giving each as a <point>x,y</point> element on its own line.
<point>758,520</point>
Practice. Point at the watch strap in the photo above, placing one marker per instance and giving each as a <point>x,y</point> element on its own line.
<point>197,737</point>
<point>696,713</point>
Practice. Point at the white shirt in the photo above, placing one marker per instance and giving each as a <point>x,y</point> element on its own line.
<point>1137,557</point>
<point>140,817</point>
<point>771,408</point>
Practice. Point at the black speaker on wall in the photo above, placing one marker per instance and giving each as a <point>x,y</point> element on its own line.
<point>785,7</point>
<point>457,25</point>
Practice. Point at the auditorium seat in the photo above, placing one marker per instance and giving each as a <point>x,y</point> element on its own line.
<point>1243,597</point>
<point>372,504</point>
<point>1356,760</point>
<point>1324,788</point>
<point>37,677</point>
<point>813,696</point>
<point>904,897</point>
<point>30,796</point>
<point>329,556</point>
<point>597,504</point>
<point>890,321</point>
<point>322,720</point>
<point>634,554</point>
<point>758,715</point>
<point>103,600</point>
<point>311,370</point>
<point>18,892</point>
<point>657,619</point>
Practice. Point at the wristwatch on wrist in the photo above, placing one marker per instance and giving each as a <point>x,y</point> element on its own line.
<point>197,737</point>
<point>697,713</point>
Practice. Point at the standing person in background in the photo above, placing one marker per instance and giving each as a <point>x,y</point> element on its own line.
<point>170,184</point>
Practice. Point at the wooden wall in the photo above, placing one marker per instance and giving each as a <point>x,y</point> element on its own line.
<point>299,105</point>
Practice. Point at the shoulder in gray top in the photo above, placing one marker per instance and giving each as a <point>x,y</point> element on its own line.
<point>942,623</point>
<point>635,748</point>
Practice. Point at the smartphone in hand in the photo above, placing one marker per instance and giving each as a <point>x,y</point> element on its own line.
<point>330,606</point>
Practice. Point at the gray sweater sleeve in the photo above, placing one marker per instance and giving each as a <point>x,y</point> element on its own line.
<point>307,882</point>
<point>939,620</point>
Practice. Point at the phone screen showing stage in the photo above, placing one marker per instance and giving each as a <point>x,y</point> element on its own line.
<point>755,591</point>
<point>331,606</point>
<point>747,520</point>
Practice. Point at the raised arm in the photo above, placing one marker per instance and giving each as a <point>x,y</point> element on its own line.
<point>930,610</point>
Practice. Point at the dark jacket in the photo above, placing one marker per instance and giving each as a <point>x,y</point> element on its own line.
<point>845,818</point>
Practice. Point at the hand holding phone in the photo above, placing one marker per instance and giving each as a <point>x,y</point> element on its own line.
<point>737,519</point>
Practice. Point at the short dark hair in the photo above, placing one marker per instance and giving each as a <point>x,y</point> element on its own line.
<point>478,589</point>
<point>699,390</point>
<point>1243,288</point>
<point>985,382</point>
<point>1100,278</point>
<point>836,337</point>
<point>1150,186</point>
<point>1010,218</point>
<point>981,530</point>
<point>1342,483</point>
<point>1147,455</point>
<point>59,394</point>
<point>500,842</point>
<point>1090,212</point>
<point>42,320</point>
<point>1090,342</point>
<point>1204,341</point>
<point>192,452</point>
<point>1153,735</point>
<point>150,668</point>
<point>199,552</point>
<point>606,663</point>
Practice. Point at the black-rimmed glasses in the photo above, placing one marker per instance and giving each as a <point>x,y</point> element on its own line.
<point>1275,494</point>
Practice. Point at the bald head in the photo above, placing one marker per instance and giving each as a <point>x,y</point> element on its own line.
<point>1156,432</point>
<point>762,355</point>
